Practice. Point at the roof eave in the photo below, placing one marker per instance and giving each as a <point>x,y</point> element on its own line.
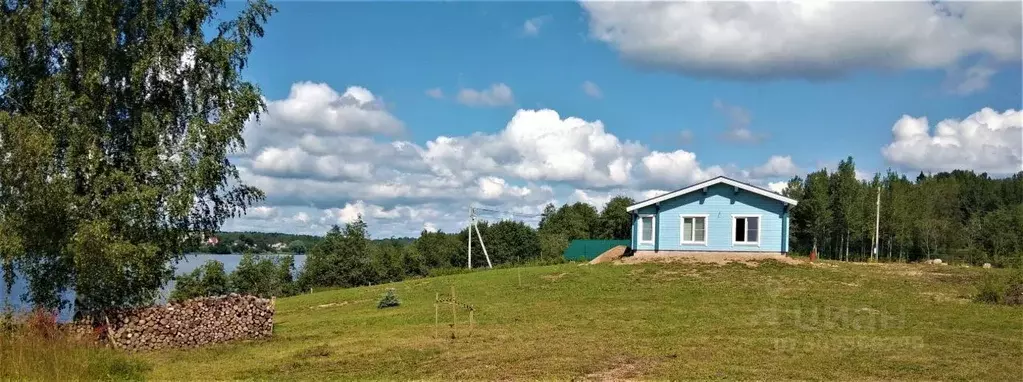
<point>708,183</point>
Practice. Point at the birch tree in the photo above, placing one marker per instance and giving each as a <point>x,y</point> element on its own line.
<point>117,120</point>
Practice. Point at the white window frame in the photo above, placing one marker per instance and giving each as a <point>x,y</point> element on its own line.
<point>682,227</point>
<point>653,230</point>
<point>760,234</point>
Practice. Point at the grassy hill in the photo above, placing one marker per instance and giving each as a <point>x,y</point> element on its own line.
<point>831,320</point>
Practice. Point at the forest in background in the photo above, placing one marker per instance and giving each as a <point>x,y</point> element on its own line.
<point>347,257</point>
<point>269,242</point>
<point>957,216</point>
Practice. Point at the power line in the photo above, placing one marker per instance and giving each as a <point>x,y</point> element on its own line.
<point>473,212</point>
<point>519,214</point>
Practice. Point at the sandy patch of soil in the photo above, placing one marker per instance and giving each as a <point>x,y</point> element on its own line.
<point>822,265</point>
<point>622,369</point>
<point>336,304</point>
<point>673,275</point>
<point>610,255</point>
<point>554,277</point>
<point>945,297</point>
<point>330,305</point>
<point>705,257</point>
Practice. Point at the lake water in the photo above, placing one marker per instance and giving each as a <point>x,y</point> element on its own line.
<point>186,265</point>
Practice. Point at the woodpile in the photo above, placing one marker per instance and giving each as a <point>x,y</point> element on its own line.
<point>192,323</point>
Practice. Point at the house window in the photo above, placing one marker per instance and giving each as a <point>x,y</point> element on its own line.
<point>646,229</point>
<point>694,229</point>
<point>746,230</point>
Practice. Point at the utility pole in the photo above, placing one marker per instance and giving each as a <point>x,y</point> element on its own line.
<point>877,224</point>
<point>473,224</point>
<point>484,246</point>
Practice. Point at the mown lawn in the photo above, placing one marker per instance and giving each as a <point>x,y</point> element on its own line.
<point>649,321</point>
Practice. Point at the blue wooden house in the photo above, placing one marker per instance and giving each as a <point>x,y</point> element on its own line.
<point>717,215</point>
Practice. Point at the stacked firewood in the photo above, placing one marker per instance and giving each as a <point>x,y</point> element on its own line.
<point>192,323</point>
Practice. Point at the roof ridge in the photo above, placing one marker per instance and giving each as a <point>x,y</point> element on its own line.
<point>719,179</point>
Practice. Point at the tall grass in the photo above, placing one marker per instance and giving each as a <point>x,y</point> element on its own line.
<point>34,347</point>
<point>1001,288</point>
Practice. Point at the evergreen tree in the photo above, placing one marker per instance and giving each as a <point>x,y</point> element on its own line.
<point>799,236</point>
<point>959,216</point>
<point>844,192</point>
<point>818,209</point>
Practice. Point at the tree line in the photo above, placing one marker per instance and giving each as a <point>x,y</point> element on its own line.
<point>264,276</point>
<point>957,216</point>
<point>347,257</point>
<point>257,242</point>
<point>266,242</point>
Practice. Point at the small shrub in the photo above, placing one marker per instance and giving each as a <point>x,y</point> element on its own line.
<point>1013,294</point>
<point>1001,290</point>
<point>389,300</point>
<point>991,291</point>
<point>42,323</point>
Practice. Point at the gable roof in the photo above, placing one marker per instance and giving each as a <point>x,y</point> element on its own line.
<point>711,182</point>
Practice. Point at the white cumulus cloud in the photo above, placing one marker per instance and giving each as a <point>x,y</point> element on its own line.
<point>317,106</point>
<point>351,211</point>
<point>315,177</point>
<point>808,39</point>
<point>776,166</point>
<point>778,187</point>
<point>987,141</point>
<point>676,169</point>
<point>539,145</point>
<point>496,95</point>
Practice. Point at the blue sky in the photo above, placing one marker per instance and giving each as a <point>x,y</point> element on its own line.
<point>680,92</point>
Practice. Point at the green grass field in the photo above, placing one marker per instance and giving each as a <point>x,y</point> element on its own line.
<point>648,321</point>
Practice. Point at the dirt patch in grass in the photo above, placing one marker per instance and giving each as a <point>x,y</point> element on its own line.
<point>554,277</point>
<point>329,305</point>
<point>902,270</point>
<point>823,265</point>
<point>945,297</point>
<point>619,369</point>
<point>675,275</point>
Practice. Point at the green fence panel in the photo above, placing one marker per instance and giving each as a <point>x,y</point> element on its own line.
<point>588,249</point>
